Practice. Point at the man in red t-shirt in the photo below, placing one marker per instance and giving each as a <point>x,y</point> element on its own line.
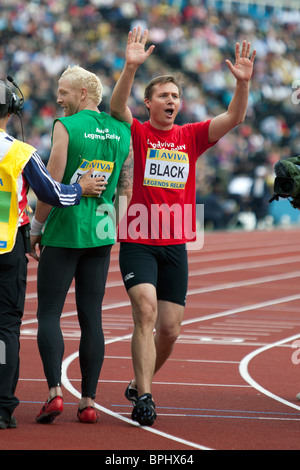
<point>160,218</point>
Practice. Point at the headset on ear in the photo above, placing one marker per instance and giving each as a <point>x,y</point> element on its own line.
<point>15,103</point>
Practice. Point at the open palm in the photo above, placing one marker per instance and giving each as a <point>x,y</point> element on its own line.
<point>243,67</point>
<point>135,51</point>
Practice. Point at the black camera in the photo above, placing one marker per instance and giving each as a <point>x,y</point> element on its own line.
<point>284,186</point>
<point>287,180</point>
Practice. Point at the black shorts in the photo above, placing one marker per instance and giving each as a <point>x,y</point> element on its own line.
<point>165,267</point>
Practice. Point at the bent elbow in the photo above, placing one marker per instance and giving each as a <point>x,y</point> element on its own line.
<point>242,119</point>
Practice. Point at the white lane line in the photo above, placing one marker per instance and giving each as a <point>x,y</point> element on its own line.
<point>243,368</point>
<point>229,285</point>
<point>245,308</point>
<point>249,253</point>
<point>73,391</point>
<point>214,269</point>
<point>245,266</point>
<point>247,282</point>
<point>66,363</point>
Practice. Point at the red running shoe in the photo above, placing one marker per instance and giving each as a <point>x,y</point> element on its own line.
<point>50,410</point>
<point>88,415</point>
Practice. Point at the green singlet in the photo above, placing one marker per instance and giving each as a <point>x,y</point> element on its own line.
<point>98,141</point>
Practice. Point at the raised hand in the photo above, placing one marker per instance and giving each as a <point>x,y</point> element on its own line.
<point>243,67</point>
<point>135,51</point>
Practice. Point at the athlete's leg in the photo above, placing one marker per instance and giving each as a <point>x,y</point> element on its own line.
<point>167,330</point>
<point>55,274</point>
<point>13,271</point>
<point>144,311</point>
<point>90,279</point>
<point>138,265</point>
<point>171,291</point>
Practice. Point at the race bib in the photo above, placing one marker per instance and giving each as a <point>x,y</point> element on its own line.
<point>100,167</point>
<point>166,169</point>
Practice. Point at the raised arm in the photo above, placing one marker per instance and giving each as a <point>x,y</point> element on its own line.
<point>236,112</point>
<point>135,56</point>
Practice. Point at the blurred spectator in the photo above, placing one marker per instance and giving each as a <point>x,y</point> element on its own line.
<point>40,38</point>
<point>260,195</point>
<point>219,208</point>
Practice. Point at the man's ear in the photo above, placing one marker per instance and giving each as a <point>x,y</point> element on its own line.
<point>83,93</point>
<point>147,103</point>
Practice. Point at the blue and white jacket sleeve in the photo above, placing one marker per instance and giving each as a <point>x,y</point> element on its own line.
<point>46,188</point>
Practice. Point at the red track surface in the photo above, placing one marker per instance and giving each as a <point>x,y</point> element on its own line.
<point>232,380</point>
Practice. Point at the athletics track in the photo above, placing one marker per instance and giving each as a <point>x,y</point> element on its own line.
<point>231,382</point>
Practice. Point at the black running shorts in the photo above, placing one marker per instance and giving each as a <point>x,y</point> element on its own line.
<point>165,267</point>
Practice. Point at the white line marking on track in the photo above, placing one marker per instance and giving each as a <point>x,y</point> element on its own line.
<point>246,376</point>
<point>245,266</point>
<point>74,392</point>
<point>198,319</point>
<point>249,253</point>
<point>247,282</point>
<point>217,287</point>
<point>216,270</point>
<point>244,362</point>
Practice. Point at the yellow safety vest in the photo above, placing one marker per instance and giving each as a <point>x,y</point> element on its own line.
<point>13,157</point>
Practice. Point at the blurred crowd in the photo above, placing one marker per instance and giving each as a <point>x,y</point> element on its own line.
<point>39,39</point>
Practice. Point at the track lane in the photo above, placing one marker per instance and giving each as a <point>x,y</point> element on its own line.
<point>245,276</point>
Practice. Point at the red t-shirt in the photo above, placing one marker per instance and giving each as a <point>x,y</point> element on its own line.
<point>162,208</point>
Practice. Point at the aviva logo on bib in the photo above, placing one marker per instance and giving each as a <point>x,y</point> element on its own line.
<point>100,167</point>
<point>166,169</point>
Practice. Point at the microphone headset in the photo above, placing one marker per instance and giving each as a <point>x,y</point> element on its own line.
<point>15,103</point>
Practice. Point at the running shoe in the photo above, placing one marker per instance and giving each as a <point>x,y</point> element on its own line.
<point>144,410</point>
<point>88,415</point>
<point>11,423</point>
<point>131,394</point>
<point>50,410</point>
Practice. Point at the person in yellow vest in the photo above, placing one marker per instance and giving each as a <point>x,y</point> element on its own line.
<point>21,166</point>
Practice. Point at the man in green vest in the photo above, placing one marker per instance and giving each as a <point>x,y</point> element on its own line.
<point>77,243</point>
<point>21,166</point>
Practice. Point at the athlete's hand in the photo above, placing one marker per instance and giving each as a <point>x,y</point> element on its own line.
<point>92,185</point>
<point>243,67</point>
<point>35,240</point>
<point>135,51</point>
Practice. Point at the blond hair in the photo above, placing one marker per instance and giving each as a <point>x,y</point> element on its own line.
<point>81,78</point>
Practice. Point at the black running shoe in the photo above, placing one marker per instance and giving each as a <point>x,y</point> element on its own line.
<point>8,423</point>
<point>131,394</point>
<point>144,410</point>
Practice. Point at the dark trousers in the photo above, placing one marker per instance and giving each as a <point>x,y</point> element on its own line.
<point>57,268</point>
<point>13,274</point>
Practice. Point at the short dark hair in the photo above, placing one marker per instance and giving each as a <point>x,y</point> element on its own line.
<point>5,99</point>
<point>161,80</point>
